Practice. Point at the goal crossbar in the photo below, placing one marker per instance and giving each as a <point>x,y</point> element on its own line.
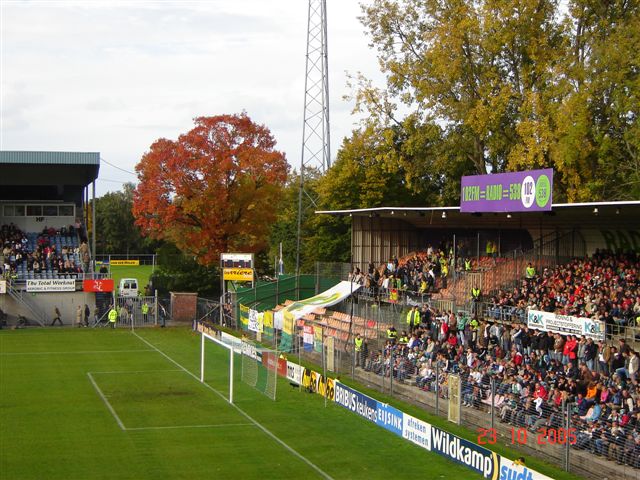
<point>205,336</point>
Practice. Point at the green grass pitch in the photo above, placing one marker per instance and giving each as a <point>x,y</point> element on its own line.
<point>112,404</point>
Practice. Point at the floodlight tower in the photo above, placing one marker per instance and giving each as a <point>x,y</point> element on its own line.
<point>316,145</point>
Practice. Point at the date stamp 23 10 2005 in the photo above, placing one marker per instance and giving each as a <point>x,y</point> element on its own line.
<point>544,436</point>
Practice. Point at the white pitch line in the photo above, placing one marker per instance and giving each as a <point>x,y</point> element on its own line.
<point>106,402</point>
<point>79,352</point>
<point>221,425</point>
<point>140,371</point>
<point>246,415</point>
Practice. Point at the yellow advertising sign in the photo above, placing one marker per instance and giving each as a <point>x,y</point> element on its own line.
<point>244,315</point>
<point>238,274</point>
<point>288,323</point>
<point>268,319</point>
<point>129,263</point>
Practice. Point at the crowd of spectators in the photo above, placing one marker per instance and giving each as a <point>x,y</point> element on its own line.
<point>535,373</point>
<point>604,286</point>
<point>19,255</point>
<point>419,273</point>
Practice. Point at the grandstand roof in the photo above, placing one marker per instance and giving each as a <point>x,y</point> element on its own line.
<point>32,169</point>
<point>623,214</point>
<point>50,158</point>
<point>47,176</point>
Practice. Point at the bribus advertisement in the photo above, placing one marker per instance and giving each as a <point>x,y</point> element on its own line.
<point>357,402</point>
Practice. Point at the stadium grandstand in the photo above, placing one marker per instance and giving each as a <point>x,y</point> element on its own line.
<point>494,298</point>
<point>45,217</point>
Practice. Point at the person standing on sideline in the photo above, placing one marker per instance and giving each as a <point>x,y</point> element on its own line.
<point>56,316</point>
<point>145,311</point>
<point>113,316</point>
<point>358,341</point>
<point>79,316</point>
<point>87,314</point>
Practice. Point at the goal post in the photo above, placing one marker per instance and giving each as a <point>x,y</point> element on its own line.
<point>204,337</point>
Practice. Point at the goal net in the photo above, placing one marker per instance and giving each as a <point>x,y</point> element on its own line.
<point>259,368</point>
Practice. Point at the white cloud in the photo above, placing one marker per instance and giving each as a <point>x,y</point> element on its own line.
<point>115,76</point>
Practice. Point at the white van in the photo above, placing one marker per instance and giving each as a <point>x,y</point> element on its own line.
<point>128,287</point>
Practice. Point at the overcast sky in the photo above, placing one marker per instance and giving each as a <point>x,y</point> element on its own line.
<point>115,76</point>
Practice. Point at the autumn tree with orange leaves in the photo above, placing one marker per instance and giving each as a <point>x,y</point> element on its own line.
<point>213,190</point>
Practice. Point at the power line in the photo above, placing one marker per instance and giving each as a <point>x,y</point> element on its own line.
<point>115,166</point>
<point>112,181</point>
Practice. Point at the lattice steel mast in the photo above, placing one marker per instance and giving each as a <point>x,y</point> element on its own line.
<point>316,145</point>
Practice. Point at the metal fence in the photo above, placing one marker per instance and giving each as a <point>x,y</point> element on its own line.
<point>501,411</point>
<point>130,312</point>
<point>496,401</point>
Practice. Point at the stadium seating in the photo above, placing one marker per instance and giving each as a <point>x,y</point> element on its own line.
<point>21,251</point>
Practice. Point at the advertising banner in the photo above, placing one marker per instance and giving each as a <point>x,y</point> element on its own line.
<point>454,399</point>
<point>278,320</point>
<point>253,321</point>
<point>529,191</point>
<point>51,285</point>
<point>566,324</point>
<point>268,319</point>
<point>272,362</point>
<point>238,274</point>
<point>232,341</point>
<point>462,451</point>
<point>331,353</point>
<point>249,349</point>
<point>307,338</point>
<point>390,418</point>
<point>416,431</point>
<point>103,285</point>
<point>357,402</point>
<point>128,263</point>
<point>287,323</point>
<point>511,470</point>
<point>331,389</point>
<point>294,372</point>
<point>325,299</point>
<point>244,317</point>
<point>317,338</point>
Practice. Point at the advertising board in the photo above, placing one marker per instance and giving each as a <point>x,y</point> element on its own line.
<point>529,191</point>
<point>51,285</point>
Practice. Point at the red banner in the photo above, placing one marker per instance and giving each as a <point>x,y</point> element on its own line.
<point>269,360</point>
<point>104,285</point>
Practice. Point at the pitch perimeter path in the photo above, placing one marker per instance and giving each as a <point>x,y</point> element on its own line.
<point>102,404</point>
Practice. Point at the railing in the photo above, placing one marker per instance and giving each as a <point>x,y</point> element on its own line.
<point>20,296</point>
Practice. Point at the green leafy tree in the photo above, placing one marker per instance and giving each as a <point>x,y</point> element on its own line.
<point>116,231</point>
<point>496,85</point>
<point>597,148</point>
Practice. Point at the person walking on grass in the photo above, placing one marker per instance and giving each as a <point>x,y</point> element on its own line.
<point>56,316</point>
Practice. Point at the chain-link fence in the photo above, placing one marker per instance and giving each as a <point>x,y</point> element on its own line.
<point>517,393</point>
<point>515,398</point>
<point>136,311</point>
